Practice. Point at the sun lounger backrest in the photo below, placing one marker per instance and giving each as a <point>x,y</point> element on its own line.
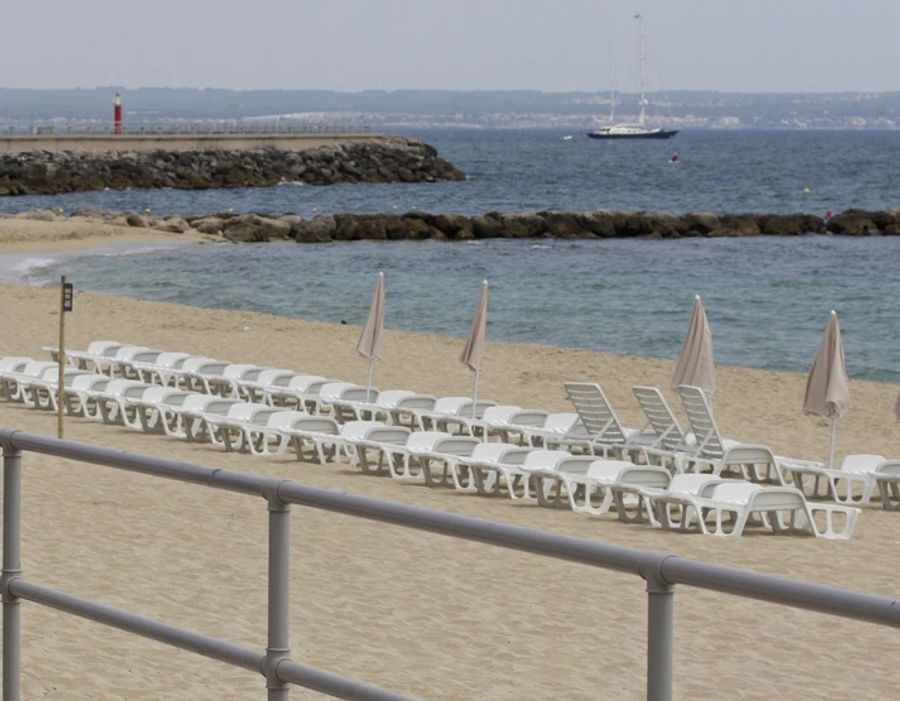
<point>465,408</point>
<point>545,459</point>
<point>500,413</point>
<point>275,378</point>
<point>103,348</point>
<point>13,363</point>
<point>669,435</point>
<point>36,368</point>
<point>171,360</point>
<point>418,402</point>
<point>456,445</point>
<point>532,418</point>
<point>91,381</point>
<point>395,435</point>
<point>595,412</point>
<point>692,483</point>
<point>238,371</point>
<point>703,425</point>
<point>861,462</point>
<point>316,424</point>
<point>889,467</point>
<point>146,356</point>
<point>645,476</point>
<point>449,405</point>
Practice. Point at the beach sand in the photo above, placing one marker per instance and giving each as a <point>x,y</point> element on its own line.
<point>421,614</point>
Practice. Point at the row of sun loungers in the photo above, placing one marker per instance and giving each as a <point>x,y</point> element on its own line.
<point>469,464</point>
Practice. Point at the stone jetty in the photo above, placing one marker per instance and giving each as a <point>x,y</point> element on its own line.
<point>418,225</point>
<point>383,159</point>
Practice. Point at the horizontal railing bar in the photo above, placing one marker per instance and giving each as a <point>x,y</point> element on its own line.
<point>146,627</point>
<point>134,462</point>
<point>333,684</point>
<point>555,545</point>
<point>781,590</point>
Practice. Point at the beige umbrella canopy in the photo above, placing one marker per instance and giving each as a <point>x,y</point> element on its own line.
<point>827,386</point>
<point>370,344</point>
<point>474,351</point>
<point>696,365</point>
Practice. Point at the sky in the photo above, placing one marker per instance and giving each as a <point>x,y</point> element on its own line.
<point>350,45</point>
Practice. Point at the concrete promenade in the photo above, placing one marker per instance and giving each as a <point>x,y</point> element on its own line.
<point>198,141</point>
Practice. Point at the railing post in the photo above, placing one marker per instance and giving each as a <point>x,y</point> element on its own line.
<point>660,630</point>
<point>12,567</point>
<point>278,647</point>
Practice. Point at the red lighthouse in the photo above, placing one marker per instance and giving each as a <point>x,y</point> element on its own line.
<point>117,114</point>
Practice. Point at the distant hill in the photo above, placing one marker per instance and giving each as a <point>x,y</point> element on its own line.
<point>22,108</point>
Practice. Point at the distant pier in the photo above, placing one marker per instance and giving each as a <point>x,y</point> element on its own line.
<point>184,140</point>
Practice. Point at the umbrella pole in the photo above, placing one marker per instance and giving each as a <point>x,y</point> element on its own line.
<point>831,448</point>
<point>369,385</point>
<point>475,399</point>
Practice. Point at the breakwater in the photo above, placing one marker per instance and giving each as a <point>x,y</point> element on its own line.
<point>419,225</point>
<point>378,159</point>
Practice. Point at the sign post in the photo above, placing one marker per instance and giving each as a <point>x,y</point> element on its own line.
<point>66,293</point>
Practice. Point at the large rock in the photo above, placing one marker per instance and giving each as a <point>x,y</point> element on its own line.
<point>253,227</point>
<point>852,222</point>
<point>740,225</point>
<point>319,229</point>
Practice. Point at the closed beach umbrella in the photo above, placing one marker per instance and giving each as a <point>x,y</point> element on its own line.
<point>696,365</point>
<point>474,351</point>
<point>827,387</point>
<point>370,344</point>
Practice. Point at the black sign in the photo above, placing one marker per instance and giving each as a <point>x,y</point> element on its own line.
<point>68,294</point>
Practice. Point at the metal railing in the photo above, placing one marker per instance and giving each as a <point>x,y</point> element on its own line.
<point>186,128</point>
<point>660,571</point>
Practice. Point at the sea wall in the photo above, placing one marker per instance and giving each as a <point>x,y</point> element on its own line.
<point>417,225</point>
<point>382,159</point>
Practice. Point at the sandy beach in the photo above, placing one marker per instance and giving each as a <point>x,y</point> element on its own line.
<point>425,615</point>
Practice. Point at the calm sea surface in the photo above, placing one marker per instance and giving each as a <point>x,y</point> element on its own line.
<point>767,299</point>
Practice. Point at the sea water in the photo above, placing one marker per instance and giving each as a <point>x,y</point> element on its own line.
<point>767,299</point>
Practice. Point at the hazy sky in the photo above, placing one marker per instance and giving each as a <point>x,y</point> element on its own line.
<point>743,45</point>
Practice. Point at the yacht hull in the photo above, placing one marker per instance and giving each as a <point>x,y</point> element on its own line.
<point>657,134</point>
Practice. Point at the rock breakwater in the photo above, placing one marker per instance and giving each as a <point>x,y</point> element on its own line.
<point>384,159</point>
<point>417,225</point>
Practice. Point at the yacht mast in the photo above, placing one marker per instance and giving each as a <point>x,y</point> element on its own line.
<point>612,87</point>
<point>643,61</point>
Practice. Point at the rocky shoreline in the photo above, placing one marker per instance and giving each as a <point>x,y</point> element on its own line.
<point>417,225</point>
<point>385,159</point>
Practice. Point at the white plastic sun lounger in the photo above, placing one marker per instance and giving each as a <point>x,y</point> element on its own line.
<point>725,508</point>
<point>116,401</point>
<point>161,370</point>
<point>370,445</point>
<point>43,391</point>
<point>313,438</point>
<point>399,407</point>
<point>17,380</point>
<point>81,395</point>
<point>855,482</point>
<point>159,410</point>
<point>663,428</point>
<point>605,433</point>
<point>95,357</point>
<point>595,486</point>
<point>887,478</point>
<point>200,417</point>
<point>301,392</point>
<point>428,456</point>
<point>490,468</point>
<point>454,415</point>
<point>202,375</point>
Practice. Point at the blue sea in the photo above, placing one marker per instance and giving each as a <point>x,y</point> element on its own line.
<point>767,299</point>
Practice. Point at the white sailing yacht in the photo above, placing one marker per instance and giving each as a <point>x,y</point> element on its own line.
<point>639,130</point>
